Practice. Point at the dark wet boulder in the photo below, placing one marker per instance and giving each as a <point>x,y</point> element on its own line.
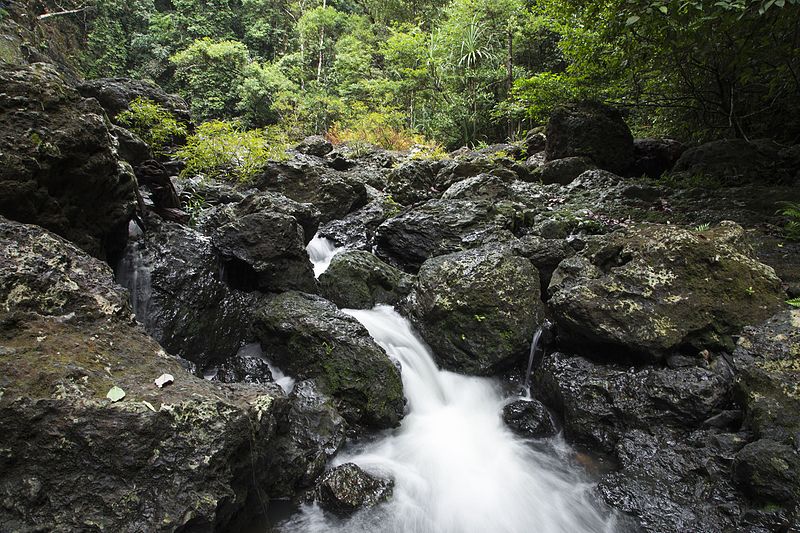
<point>768,359</point>
<point>359,280</point>
<point>440,227</point>
<point>173,275</point>
<point>590,130</point>
<point>131,147</point>
<point>598,403</point>
<point>190,455</point>
<point>59,168</point>
<point>356,231</point>
<point>738,162</point>
<point>484,187</point>
<point>534,142</point>
<point>654,157</point>
<point>310,432</point>
<point>315,145</point>
<point>247,366</point>
<point>529,419</point>
<point>768,472</point>
<point>680,482</point>
<point>650,290</point>
<point>309,338</point>
<point>264,250</point>
<point>306,179</point>
<point>248,203</point>
<point>562,171</point>
<point>116,94</point>
<point>497,164</point>
<point>545,254</point>
<point>347,489</point>
<point>477,309</point>
<point>414,181</point>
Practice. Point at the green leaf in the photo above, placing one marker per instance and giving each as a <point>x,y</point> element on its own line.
<point>115,394</point>
<point>663,9</point>
<point>632,20</point>
<point>794,302</point>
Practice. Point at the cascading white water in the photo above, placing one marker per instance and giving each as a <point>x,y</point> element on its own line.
<point>320,252</point>
<point>456,467</point>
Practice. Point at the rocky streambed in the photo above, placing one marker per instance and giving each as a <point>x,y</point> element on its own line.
<point>666,388</point>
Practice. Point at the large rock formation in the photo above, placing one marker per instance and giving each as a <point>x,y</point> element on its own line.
<point>590,130</point>
<point>58,166</point>
<point>653,289</point>
<point>116,94</point>
<point>477,309</point>
<point>311,339</point>
<point>359,280</point>
<point>193,455</point>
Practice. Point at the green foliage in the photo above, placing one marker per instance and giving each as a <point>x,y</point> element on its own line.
<point>224,150</point>
<point>210,75</point>
<point>690,181</point>
<point>792,227</point>
<point>384,130</point>
<point>155,125</point>
<point>702,227</point>
<point>794,302</point>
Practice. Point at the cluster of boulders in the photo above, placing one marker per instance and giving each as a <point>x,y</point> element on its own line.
<point>674,359</point>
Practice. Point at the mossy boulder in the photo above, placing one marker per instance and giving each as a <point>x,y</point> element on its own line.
<point>309,338</point>
<point>650,290</point>
<point>193,455</point>
<point>58,164</point>
<point>768,472</point>
<point>347,488</point>
<point>359,280</point>
<point>477,309</point>
<point>768,381</point>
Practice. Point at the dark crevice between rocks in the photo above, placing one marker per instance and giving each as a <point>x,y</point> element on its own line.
<point>237,274</point>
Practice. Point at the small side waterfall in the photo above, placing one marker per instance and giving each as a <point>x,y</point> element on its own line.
<point>320,252</point>
<point>134,274</point>
<point>456,467</point>
<point>537,338</point>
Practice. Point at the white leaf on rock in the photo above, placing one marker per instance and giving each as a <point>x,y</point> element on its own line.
<point>164,379</point>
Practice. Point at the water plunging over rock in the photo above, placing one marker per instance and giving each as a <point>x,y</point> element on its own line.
<point>320,252</point>
<point>456,467</point>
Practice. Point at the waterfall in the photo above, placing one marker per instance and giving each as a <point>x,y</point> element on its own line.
<point>537,337</point>
<point>456,467</point>
<point>133,273</point>
<point>320,252</point>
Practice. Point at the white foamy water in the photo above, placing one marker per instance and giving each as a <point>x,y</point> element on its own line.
<point>320,252</point>
<point>456,467</point>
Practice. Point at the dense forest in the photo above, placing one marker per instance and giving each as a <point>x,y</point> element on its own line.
<point>460,72</point>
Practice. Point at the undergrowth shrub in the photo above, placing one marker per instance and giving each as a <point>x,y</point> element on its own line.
<point>376,129</point>
<point>152,123</point>
<point>220,149</point>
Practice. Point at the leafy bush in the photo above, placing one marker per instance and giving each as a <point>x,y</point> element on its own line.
<point>150,121</point>
<point>376,129</point>
<point>792,228</point>
<point>221,149</point>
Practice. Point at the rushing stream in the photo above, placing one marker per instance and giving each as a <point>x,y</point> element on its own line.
<point>456,467</point>
<point>320,252</point>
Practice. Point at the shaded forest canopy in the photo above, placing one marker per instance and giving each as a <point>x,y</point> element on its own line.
<point>460,71</point>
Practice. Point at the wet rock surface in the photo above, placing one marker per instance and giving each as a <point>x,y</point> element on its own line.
<point>59,166</point>
<point>529,418</point>
<point>440,227</point>
<point>310,338</point>
<point>347,489</point>
<point>654,289</point>
<point>359,280</point>
<point>173,274</point>
<point>190,455</point>
<point>477,309</point>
